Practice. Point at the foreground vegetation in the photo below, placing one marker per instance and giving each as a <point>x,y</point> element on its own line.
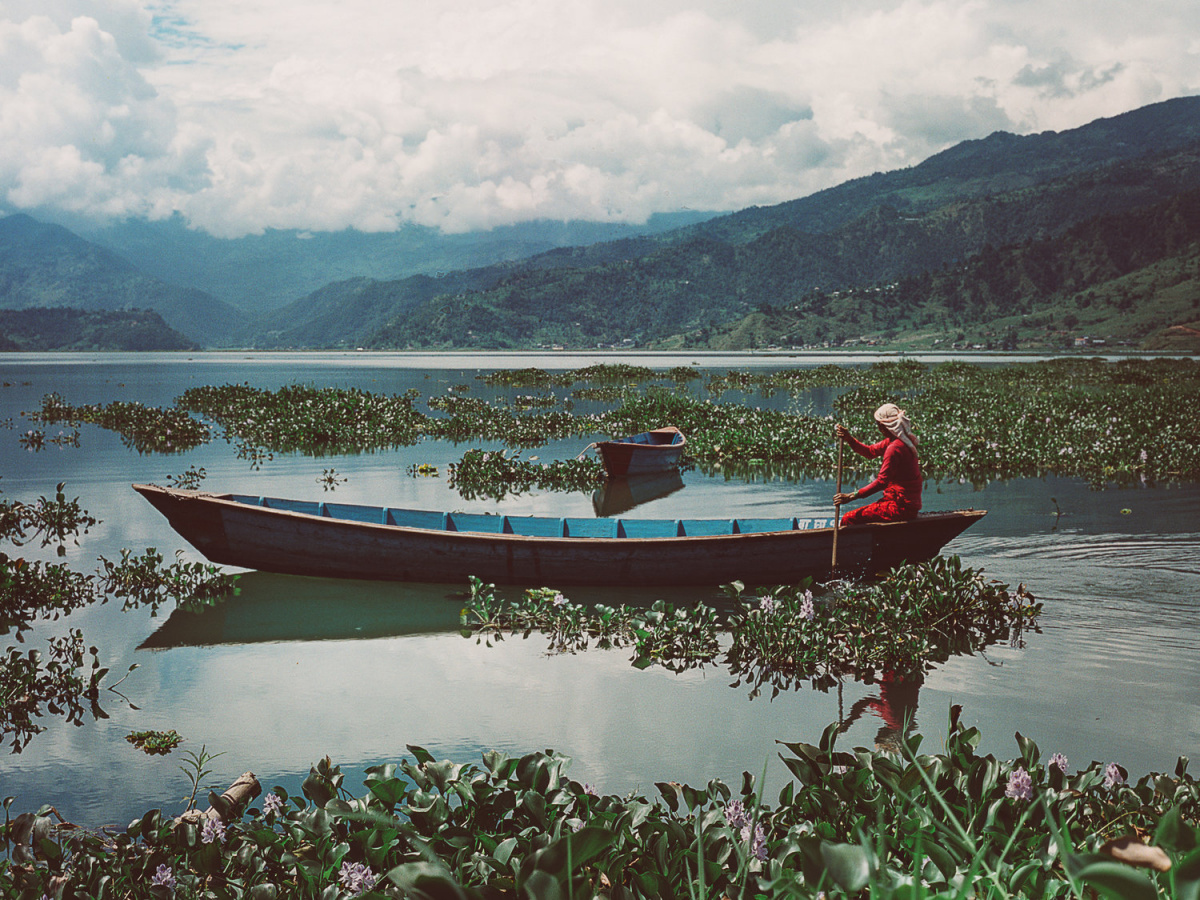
<point>851,823</point>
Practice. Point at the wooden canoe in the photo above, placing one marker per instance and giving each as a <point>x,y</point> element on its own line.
<point>343,540</point>
<point>651,451</point>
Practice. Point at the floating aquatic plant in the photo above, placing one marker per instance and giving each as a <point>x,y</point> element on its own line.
<point>188,480</point>
<point>308,420</point>
<point>34,683</point>
<point>329,479</point>
<point>912,617</point>
<point>848,823</point>
<point>1110,423</point>
<point>155,742</point>
<point>145,429</point>
<point>496,474</point>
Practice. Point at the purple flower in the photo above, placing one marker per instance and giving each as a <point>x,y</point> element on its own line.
<point>766,604</point>
<point>1058,761</point>
<point>806,606</point>
<point>1020,785</point>
<point>213,830</point>
<point>735,814</point>
<point>757,844</point>
<point>357,878</point>
<point>272,804</point>
<point>1113,776</point>
<point>164,877</point>
<point>558,600</point>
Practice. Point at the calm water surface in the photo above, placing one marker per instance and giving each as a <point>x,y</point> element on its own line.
<point>294,669</point>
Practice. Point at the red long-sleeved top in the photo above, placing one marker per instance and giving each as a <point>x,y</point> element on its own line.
<point>899,475</point>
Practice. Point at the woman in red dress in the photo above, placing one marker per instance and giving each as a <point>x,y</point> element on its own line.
<point>899,476</point>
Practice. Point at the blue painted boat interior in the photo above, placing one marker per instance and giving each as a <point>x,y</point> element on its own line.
<point>647,437</point>
<point>534,526</point>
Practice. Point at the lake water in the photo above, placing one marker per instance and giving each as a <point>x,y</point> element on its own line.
<point>295,669</point>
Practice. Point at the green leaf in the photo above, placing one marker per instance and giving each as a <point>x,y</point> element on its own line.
<point>983,777</point>
<point>829,736</point>
<point>1020,875</point>
<point>671,792</point>
<point>588,843</point>
<point>847,864</point>
<point>426,880</point>
<point>941,858</point>
<point>1174,833</point>
<point>389,791</point>
<point>1111,879</point>
<point>504,850</point>
<point>542,886</point>
<point>422,755</point>
<point>804,771</point>
<point>1029,750</point>
<point>316,790</point>
<point>1187,877</point>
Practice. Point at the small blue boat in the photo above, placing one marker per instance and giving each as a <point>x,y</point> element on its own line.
<point>658,450</point>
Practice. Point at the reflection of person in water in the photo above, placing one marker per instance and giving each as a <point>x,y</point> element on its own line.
<point>896,705</point>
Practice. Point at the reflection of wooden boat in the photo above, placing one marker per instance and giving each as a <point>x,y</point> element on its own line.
<point>342,540</point>
<point>272,607</point>
<point>618,495</point>
<point>650,451</point>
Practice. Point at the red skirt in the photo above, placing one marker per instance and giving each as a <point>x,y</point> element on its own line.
<point>882,510</point>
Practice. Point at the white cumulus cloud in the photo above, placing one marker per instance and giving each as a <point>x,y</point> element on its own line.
<point>250,114</point>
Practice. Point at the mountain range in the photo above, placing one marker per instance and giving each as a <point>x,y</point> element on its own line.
<point>1037,240</point>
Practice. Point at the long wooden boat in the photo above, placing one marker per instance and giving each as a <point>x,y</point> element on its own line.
<point>344,540</point>
<point>651,451</point>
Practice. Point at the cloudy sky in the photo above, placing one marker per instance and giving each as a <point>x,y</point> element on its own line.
<point>464,114</point>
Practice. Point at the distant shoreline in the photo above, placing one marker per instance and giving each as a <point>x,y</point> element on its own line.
<point>618,355</point>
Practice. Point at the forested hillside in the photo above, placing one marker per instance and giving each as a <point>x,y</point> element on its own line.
<point>1130,279</point>
<point>61,328</point>
<point>932,276</point>
<point>43,265</point>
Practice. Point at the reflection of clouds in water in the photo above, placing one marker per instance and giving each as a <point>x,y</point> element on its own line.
<point>363,701</point>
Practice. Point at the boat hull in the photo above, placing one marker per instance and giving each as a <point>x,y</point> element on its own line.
<point>653,451</point>
<point>234,533</point>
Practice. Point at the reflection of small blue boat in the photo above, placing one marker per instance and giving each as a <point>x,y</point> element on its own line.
<point>618,495</point>
<point>651,451</point>
<point>344,540</point>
